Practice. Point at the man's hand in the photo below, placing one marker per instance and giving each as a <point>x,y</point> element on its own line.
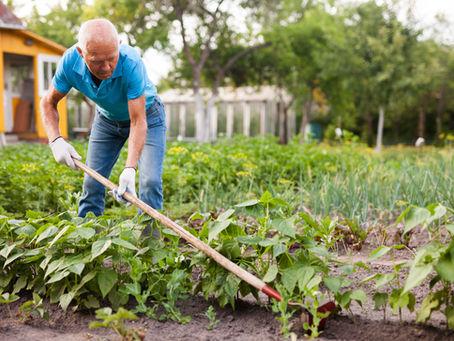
<point>127,183</point>
<point>64,152</point>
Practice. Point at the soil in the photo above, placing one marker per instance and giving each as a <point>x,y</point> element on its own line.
<point>249,321</point>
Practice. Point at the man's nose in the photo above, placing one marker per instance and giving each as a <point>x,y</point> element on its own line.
<point>105,66</point>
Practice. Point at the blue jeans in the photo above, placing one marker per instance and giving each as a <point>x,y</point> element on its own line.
<point>107,138</point>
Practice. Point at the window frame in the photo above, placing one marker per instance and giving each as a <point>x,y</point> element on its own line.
<point>42,59</point>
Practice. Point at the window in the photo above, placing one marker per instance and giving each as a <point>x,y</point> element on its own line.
<point>47,65</point>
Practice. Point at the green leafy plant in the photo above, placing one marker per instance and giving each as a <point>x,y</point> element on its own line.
<point>33,307</point>
<point>7,298</point>
<point>116,322</point>
<point>211,315</point>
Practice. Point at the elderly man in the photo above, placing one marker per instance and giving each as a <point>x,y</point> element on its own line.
<point>127,106</point>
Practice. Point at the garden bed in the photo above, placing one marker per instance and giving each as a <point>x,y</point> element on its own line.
<point>249,321</point>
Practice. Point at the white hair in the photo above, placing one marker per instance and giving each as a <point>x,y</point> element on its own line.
<point>90,31</point>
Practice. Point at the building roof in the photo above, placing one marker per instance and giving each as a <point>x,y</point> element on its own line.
<point>8,19</point>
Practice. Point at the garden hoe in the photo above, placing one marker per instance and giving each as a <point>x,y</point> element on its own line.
<point>210,252</point>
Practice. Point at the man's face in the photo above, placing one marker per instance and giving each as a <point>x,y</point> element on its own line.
<point>101,58</point>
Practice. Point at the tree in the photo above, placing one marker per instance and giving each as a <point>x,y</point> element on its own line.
<point>202,27</point>
<point>381,45</point>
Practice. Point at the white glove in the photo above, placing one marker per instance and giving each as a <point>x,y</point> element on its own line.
<point>127,183</point>
<point>64,152</point>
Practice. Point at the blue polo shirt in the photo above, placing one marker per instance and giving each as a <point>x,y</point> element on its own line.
<point>128,81</point>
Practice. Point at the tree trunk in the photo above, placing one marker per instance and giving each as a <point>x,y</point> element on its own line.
<point>381,119</point>
<point>306,114</point>
<point>369,127</point>
<point>283,136</point>
<point>421,122</point>
<point>438,123</point>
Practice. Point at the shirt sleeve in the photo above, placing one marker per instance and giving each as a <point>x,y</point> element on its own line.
<point>60,81</point>
<point>137,81</point>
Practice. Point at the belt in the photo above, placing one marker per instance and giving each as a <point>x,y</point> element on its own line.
<point>119,124</point>
<point>127,124</point>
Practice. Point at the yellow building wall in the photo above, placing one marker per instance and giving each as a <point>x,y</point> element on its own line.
<point>12,41</point>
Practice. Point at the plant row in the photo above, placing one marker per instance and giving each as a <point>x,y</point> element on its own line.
<point>347,180</point>
<point>104,261</point>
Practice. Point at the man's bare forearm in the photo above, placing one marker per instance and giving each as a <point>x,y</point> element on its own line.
<point>137,136</point>
<point>49,113</point>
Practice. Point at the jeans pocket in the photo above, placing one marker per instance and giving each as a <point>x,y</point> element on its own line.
<point>155,114</point>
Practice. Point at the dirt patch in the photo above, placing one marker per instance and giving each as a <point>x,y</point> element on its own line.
<point>248,321</point>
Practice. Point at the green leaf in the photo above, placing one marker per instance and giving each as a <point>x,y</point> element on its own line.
<point>266,197</point>
<point>289,279</point>
<point>379,252</point>
<point>271,274</point>
<point>28,230</point>
<point>223,216</point>
<point>416,276</point>
<point>380,299</point>
<point>91,302</point>
<point>359,296</point>
<point>47,233</point>
<point>77,268</point>
<point>279,202</point>
<point>333,283</point>
<point>8,298</point>
<point>278,250</point>
<point>20,284</point>
<point>384,279</point>
<point>65,300</point>
<point>249,240</point>
<point>445,267</point>
<point>449,312</point>
<point>437,211</point>
<point>106,281</point>
<point>285,226</point>
<point>99,247</point>
<point>248,203</point>
<point>7,249</point>
<point>58,276</point>
<point>61,233</point>
<point>450,228</point>
<point>269,241</point>
<point>415,217</point>
<point>369,278</point>
<point>13,258</point>
<point>430,303</point>
<point>217,228</point>
<point>124,243</point>
<point>85,232</point>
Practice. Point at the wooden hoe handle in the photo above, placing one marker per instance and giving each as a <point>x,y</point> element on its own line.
<point>209,251</point>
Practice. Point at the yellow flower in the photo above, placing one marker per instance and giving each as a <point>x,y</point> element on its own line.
<point>199,156</point>
<point>177,150</point>
<point>249,166</point>
<point>239,156</point>
<point>243,173</point>
<point>29,167</point>
<point>401,203</point>
<point>285,181</point>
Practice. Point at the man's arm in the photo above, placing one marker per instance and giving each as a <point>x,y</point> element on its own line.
<point>138,130</point>
<point>137,136</point>
<point>63,151</point>
<point>49,112</point>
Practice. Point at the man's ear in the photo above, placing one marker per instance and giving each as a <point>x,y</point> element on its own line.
<point>79,50</point>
